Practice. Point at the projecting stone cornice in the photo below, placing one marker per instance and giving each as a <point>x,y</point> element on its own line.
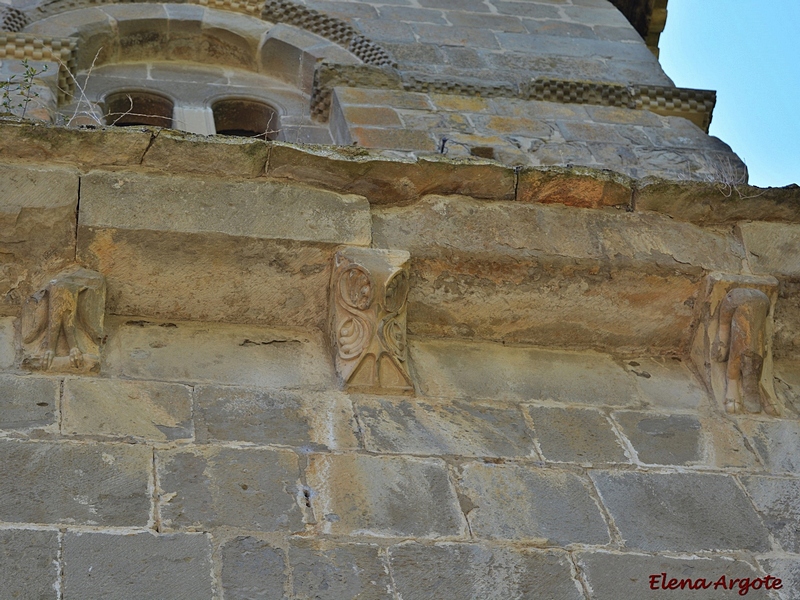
<point>375,174</point>
<point>692,104</point>
<point>648,17</point>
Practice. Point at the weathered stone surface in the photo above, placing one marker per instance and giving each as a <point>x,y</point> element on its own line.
<point>776,443</point>
<point>305,420</point>
<point>786,343</point>
<point>626,280</point>
<point>716,203</point>
<point>116,567</point>
<point>131,409</point>
<point>778,501</point>
<point>586,188</point>
<point>575,435</point>
<point>392,182</point>
<point>29,564</point>
<point>531,230</point>
<point>402,426</point>
<point>210,276</point>
<point>663,440</point>
<point>97,484</point>
<point>252,568</point>
<point>473,572</point>
<point>28,402</point>
<point>261,210</point>
<point>484,370</point>
<point>113,146</point>
<point>772,248</point>
<point>211,487</point>
<point>178,152</point>
<point>243,355</point>
<point>613,576</point>
<point>37,227</point>
<point>787,384</point>
<point>356,571</point>
<point>666,383</point>
<point>788,570</point>
<point>8,351</point>
<point>680,511</point>
<point>725,446</point>
<point>383,496</point>
<point>533,504</point>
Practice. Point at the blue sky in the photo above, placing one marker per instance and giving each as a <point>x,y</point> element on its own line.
<point>749,52</point>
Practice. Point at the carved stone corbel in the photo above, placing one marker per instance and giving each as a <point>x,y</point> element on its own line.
<point>368,291</point>
<point>732,348</point>
<point>62,323</point>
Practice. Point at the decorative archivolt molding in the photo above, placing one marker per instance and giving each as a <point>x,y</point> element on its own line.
<point>15,45</point>
<point>12,19</point>
<point>331,28</point>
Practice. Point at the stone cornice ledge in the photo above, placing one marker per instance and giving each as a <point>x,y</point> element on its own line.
<point>392,178</point>
<point>692,104</point>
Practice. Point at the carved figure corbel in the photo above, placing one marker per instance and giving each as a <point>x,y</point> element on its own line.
<point>368,290</point>
<point>62,323</point>
<point>732,347</point>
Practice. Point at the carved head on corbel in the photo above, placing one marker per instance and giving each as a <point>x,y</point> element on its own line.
<point>369,289</point>
<point>62,323</point>
<point>733,344</point>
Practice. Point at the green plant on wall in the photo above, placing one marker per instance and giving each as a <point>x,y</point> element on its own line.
<point>18,91</point>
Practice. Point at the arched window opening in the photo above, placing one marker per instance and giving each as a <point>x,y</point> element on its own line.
<point>245,118</point>
<point>126,109</point>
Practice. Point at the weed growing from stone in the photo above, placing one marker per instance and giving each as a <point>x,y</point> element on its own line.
<point>17,90</point>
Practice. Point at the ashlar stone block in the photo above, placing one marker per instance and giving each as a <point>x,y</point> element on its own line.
<point>663,439</point>
<point>531,504</point>
<point>357,494</point>
<point>325,570</point>
<point>451,571</point>
<point>776,443</point>
<point>666,383</point>
<point>680,511</point>
<point>89,484</point>
<point>147,410</point>
<point>778,501</point>
<point>732,347</point>
<point>104,566</point>
<point>369,289</point>
<point>322,420</point>
<point>464,369</point>
<point>29,564</point>
<point>255,489</point>
<point>460,428</point>
<point>252,568</point>
<point>28,402</point>
<point>576,435</point>
<point>242,355</point>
